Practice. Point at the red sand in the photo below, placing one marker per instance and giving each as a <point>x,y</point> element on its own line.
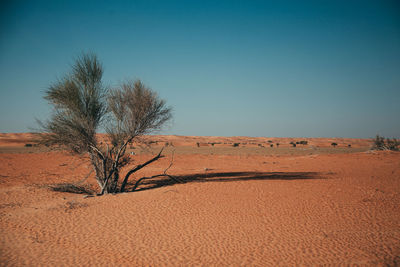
<point>250,209</point>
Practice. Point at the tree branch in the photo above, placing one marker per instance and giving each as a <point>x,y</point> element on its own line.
<point>103,188</point>
<point>155,176</point>
<point>97,151</point>
<point>138,168</point>
<point>160,175</point>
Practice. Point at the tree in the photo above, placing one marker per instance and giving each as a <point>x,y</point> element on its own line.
<point>82,105</point>
<point>334,144</point>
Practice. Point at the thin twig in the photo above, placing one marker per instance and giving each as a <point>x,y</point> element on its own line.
<point>171,163</point>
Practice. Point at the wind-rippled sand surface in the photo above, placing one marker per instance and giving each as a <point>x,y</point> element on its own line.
<point>244,209</point>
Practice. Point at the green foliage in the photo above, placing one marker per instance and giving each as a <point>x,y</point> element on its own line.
<point>79,106</point>
<point>82,105</point>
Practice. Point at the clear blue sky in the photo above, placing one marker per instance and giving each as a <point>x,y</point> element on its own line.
<point>253,68</point>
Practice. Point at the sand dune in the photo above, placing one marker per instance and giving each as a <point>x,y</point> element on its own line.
<point>234,209</point>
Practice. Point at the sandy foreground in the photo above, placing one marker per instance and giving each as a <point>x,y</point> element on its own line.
<point>250,205</point>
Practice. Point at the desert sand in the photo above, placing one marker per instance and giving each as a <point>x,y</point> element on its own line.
<point>250,205</point>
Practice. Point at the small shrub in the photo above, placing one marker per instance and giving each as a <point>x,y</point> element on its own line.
<point>28,145</point>
<point>271,145</point>
<point>236,144</point>
<point>379,143</point>
<point>198,144</point>
<point>393,144</point>
<point>334,144</point>
<point>349,145</point>
<point>303,142</point>
<point>389,144</point>
<point>277,144</point>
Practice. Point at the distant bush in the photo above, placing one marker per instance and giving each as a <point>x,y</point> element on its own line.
<point>271,145</point>
<point>277,144</point>
<point>28,145</point>
<point>380,143</point>
<point>236,144</point>
<point>349,145</point>
<point>334,144</point>
<point>269,141</point>
<point>198,144</point>
<point>303,142</point>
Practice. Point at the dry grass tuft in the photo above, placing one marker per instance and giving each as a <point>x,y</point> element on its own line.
<point>72,188</point>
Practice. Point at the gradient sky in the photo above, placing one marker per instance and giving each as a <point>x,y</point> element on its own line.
<point>228,68</point>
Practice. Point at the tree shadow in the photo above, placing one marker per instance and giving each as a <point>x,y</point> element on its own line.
<point>222,177</point>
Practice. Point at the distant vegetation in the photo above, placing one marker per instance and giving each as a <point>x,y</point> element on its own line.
<point>334,144</point>
<point>382,143</point>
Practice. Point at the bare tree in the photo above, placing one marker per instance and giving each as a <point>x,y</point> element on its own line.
<point>81,105</point>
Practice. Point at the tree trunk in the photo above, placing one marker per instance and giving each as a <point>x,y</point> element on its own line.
<point>99,179</point>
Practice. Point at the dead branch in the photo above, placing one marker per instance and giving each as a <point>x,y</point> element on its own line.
<point>140,166</point>
<point>103,188</point>
<point>156,176</point>
<point>172,162</point>
<point>160,175</point>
